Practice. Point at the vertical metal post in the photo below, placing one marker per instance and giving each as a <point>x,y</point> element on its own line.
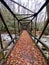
<point>2,53</point>
<point>18,28</point>
<point>1,41</point>
<point>14,28</point>
<point>35,26</point>
<point>31,26</point>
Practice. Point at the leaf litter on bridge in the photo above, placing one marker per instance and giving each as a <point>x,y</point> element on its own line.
<point>25,52</point>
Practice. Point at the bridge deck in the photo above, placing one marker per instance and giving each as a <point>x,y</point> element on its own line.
<point>25,52</point>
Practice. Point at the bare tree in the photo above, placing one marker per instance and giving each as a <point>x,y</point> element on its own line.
<point>47,8</point>
<point>19,1</point>
<point>28,6</point>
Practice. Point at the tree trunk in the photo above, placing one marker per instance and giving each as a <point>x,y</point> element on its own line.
<point>47,8</point>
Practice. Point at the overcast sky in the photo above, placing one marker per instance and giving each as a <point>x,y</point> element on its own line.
<point>34,5</point>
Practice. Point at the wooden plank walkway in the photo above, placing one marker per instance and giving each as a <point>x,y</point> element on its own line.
<point>25,52</point>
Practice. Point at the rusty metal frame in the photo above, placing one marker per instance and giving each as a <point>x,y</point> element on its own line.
<point>33,15</point>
